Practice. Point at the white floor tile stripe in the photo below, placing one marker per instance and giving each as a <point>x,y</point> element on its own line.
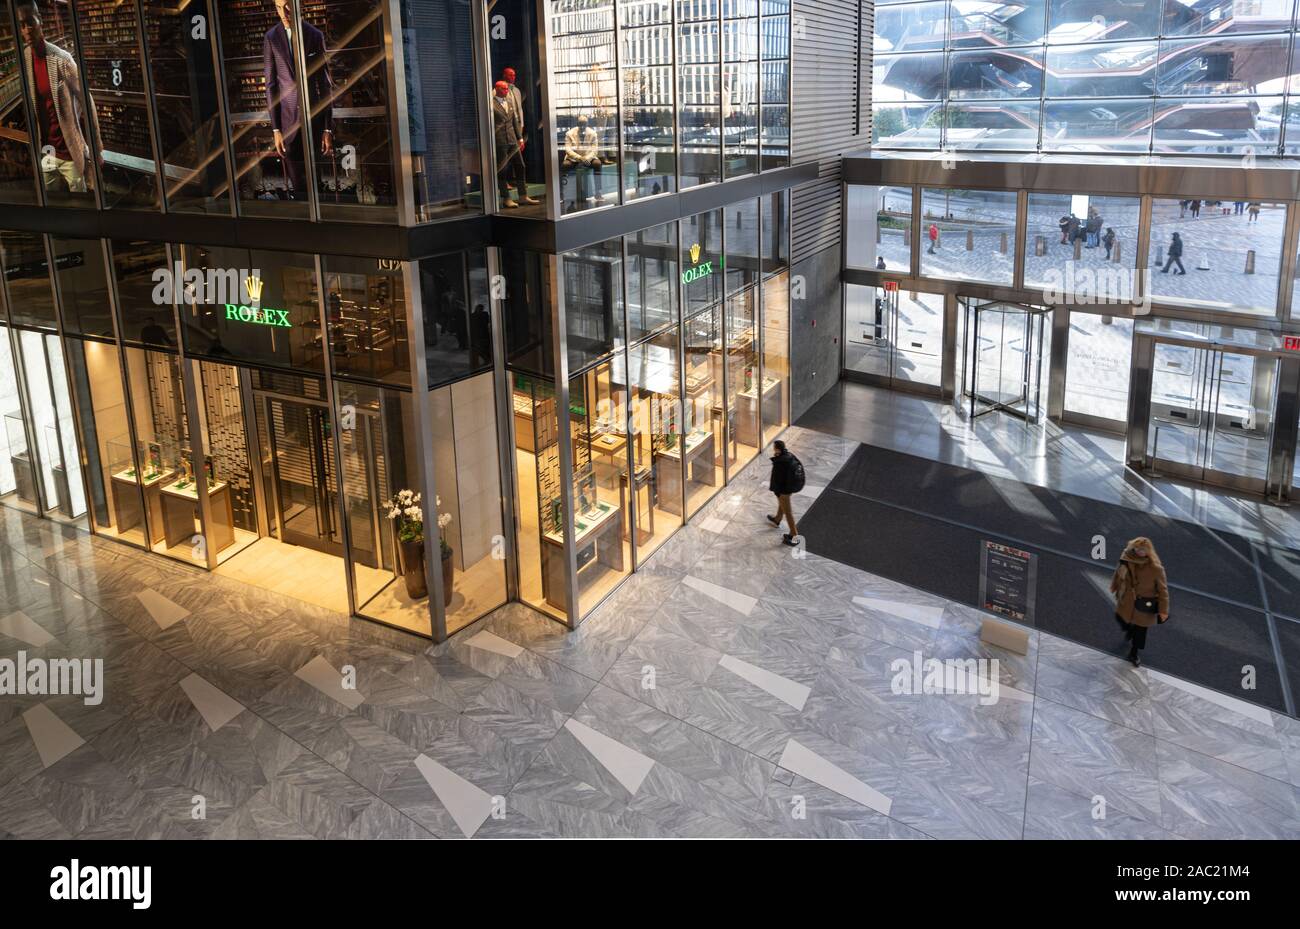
<point>322,675</point>
<point>931,616</point>
<point>491,642</point>
<point>468,805</point>
<point>741,603</point>
<point>215,706</point>
<point>784,689</point>
<point>628,766</point>
<point>22,627</point>
<point>806,763</point>
<point>1249,710</point>
<point>163,611</point>
<point>54,739</point>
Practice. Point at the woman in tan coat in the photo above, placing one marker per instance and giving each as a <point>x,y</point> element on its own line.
<point>1141,594</point>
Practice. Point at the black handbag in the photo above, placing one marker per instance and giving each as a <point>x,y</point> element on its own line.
<point>1146,604</point>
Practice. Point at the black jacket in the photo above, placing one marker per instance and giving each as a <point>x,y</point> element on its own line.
<point>1175,248</point>
<point>782,473</point>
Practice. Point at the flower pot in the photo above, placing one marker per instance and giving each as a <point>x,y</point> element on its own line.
<point>417,588</point>
<point>448,575</point>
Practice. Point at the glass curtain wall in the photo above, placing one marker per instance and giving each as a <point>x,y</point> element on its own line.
<point>17,172</point>
<point>515,93</point>
<point>1166,77</point>
<point>442,107</point>
<point>968,234</point>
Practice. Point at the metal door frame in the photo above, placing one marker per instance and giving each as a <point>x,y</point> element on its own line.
<point>1284,418</point>
<point>1034,333</point>
<point>890,325</point>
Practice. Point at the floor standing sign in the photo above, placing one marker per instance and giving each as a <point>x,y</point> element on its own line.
<point>1008,581</point>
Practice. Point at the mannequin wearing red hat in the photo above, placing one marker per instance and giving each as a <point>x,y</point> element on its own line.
<point>509,146</point>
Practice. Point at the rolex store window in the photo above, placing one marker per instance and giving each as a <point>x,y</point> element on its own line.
<point>365,303</point>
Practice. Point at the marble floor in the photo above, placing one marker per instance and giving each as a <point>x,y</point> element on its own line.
<point>733,687</point>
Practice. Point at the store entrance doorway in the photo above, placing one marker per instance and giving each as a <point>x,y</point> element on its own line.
<point>303,475</point>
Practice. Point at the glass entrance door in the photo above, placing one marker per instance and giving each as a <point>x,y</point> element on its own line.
<point>1212,415</point>
<point>1005,357</point>
<point>895,336</point>
<point>303,475</point>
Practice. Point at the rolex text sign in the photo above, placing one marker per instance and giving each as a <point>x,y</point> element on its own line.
<point>694,274</point>
<point>259,316</point>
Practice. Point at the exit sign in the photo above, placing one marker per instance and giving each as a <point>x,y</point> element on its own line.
<point>891,286</point>
<point>1291,343</point>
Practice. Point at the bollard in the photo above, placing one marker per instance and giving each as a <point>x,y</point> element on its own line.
<point>1078,249</point>
<point>1040,246</point>
<point>1114,252</point>
<point>1002,246</point>
<point>1205,262</point>
<point>970,240</point>
<point>1250,261</point>
<point>877,233</point>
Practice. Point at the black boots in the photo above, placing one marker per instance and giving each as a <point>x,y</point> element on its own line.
<point>1135,656</point>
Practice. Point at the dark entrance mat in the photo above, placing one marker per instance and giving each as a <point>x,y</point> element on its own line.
<point>924,523</point>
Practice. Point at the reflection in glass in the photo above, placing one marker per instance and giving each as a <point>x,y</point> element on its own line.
<point>83,287</point>
<point>656,491</point>
<point>601,524</point>
<point>441,106</point>
<point>775,63</point>
<point>742,245</point>
<point>144,319</point>
<point>1070,21</point>
<point>996,125</point>
<point>467,474</point>
<point>1218,125</point>
<point>1232,251</point>
<point>1104,69</point>
<point>702,271</point>
<point>17,464</point>
<point>27,278</point>
<point>17,176</point>
<point>457,315</point>
<point>114,77</point>
<point>915,27</point>
<point>702,424</point>
<point>699,93</point>
<point>775,249</point>
<point>649,139</point>
<point>995,74</point>
<point>1097,125</point>
<point>584,85</point>
<point>994,22</point>
<point>907,125</point>
<point>190,135</point>
<point>968,234</point>
<point>593,301</point>
<point>50,423</point>
<point>366,304</point>
<point>775,383</point>
<point>64,142</point>
<point>652,280</point>
<point>740,91</point>
<point>116,497</point>
<point>744,428</point>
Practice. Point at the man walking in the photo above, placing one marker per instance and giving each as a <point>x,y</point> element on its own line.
<point>934,237</point>
<point>1175,255</point>
<point>787,479</point>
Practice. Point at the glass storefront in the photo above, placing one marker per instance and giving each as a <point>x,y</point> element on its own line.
<point>252,412</point>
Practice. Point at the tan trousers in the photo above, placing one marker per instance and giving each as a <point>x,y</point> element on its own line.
<point>783,508</point>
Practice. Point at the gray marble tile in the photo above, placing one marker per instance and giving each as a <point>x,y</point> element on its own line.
<point>1204,798</point>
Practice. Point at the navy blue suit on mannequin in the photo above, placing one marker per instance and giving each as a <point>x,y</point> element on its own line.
<point>284,101</point>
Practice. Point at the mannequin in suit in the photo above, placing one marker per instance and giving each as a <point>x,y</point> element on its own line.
<point>516,98</point>
<point>284,100</point>
<point>509,148</point>
<point>582,150</point>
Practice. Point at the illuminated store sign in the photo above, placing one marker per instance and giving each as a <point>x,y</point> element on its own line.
<point>698,270</point>
<point>257,315</point>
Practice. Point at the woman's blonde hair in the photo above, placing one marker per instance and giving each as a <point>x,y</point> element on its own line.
<point>1150,547</point>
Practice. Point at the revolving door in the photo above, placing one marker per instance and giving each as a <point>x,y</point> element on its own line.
<point>1004,358</point>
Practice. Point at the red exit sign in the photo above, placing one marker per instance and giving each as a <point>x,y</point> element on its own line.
<point>892,286</point>
<point>1291,343</point>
